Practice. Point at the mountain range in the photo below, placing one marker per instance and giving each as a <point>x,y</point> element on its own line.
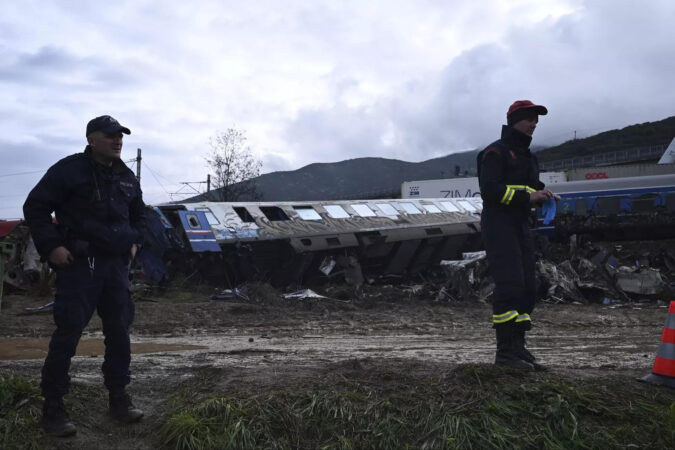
<point>382,177</point>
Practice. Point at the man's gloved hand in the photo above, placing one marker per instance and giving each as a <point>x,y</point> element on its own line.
<point>60,257</point>
<point>539,197</point>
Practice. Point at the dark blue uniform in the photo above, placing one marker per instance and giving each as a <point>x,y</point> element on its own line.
<point>100,214</point>
<point>508,173</point>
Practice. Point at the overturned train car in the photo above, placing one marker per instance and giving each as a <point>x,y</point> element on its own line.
<point>294,242</point>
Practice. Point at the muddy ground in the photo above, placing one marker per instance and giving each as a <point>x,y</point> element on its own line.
<point>271,341</point>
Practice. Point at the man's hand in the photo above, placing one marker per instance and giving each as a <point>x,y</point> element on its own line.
<point>60,257</point>
<point>539,197</point>
<point>132,252</point>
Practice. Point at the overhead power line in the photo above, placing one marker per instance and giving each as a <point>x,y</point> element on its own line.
<point>22,173</point>
<point>156,179</point>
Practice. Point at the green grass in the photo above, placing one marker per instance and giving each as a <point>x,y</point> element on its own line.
<point>472,407</point>
<point>20,406</point>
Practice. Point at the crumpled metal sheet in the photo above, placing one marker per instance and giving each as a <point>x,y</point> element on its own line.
<point>305,293</point>
<point>562,280</point>
<point>645,281</point>
<point>467,278</point>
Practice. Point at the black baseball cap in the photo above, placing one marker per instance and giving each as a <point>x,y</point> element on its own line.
<point>106,124</point>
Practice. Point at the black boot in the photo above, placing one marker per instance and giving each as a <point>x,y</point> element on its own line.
<point>507,352</point>
<point>523,352</point>
<point>55,420</point>
<point>121,407</point>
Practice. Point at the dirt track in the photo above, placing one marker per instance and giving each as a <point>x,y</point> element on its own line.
<point>259,345</point>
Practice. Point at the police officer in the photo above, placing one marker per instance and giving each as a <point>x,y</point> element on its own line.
<point>99,213</point>
<point>509,183</point>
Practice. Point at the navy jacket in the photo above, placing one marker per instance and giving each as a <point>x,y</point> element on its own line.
<point>99,209</point>
<point>508,172</point>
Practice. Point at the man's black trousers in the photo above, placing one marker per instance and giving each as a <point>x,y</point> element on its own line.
<point>510,252</point>
<point>100,283</point>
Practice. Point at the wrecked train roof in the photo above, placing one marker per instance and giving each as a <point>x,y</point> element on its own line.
<point>273,220</point>
<point>6,226</point>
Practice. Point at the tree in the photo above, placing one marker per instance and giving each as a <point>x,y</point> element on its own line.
<point>234,166</point>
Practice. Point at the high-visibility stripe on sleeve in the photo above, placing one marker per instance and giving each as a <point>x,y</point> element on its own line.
<point>511,190</point>
<point>505,317</point>
<point>523,318</point>
<point>506,194</point>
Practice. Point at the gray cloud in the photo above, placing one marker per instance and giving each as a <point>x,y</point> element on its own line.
<point>607,66</point>
<point>64,70</point>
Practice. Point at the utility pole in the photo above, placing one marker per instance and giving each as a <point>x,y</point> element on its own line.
<point>138,165</point>
<point>208,182</point>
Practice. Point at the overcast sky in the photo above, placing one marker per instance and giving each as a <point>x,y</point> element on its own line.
<point>318,81</point>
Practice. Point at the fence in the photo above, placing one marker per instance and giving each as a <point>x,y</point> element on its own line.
<point>605,159</point>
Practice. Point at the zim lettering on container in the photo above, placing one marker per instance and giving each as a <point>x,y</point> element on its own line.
<point>457,194</point>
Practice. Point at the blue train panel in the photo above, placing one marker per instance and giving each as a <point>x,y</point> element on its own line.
<point>627,198</point>
<point>198,231</point>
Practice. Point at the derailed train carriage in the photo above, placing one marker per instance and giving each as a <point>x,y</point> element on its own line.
<point>292,242</point>
<point>614,209</point>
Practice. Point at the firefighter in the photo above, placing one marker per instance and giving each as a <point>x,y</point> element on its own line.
<point>508,175</point>
<point>99,216</point>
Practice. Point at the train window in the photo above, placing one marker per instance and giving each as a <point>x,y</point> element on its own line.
<point>449,206</point>
<point>387,209</point>
<point>243,214</point>
<point>274,213</point>
<point>433,209</point>
<point>193,221</point>
<point>363,210</point>
<point>307,213</point>
<point>209,216</point>
<point>466,205</point>
<point>336,211</point>
<point>410,208</point>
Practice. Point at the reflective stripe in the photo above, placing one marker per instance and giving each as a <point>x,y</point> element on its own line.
<point>666,351</point>
<point>523,318</point>
<point>668,336</point>
<point>501,318</point>
<point>506,193</point>
<point>511,191</point>
<point>663,366</point>
<point>670,321</point>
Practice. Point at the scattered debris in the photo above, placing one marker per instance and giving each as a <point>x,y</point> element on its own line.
<point>560,280</point>
<point>39,308</point>
<point>22,265</point>
<point>305,293</point>
<point>230,294</point>
<point>639,281</point>
<point>580,272</point>
<point>468,278</point>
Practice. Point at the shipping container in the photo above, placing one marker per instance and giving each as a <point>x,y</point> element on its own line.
<point>460,187</point>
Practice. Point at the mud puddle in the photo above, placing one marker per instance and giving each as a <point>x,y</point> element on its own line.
<point>36,348</point>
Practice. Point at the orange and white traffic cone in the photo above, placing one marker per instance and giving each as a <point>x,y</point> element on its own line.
<point>663,371</point>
